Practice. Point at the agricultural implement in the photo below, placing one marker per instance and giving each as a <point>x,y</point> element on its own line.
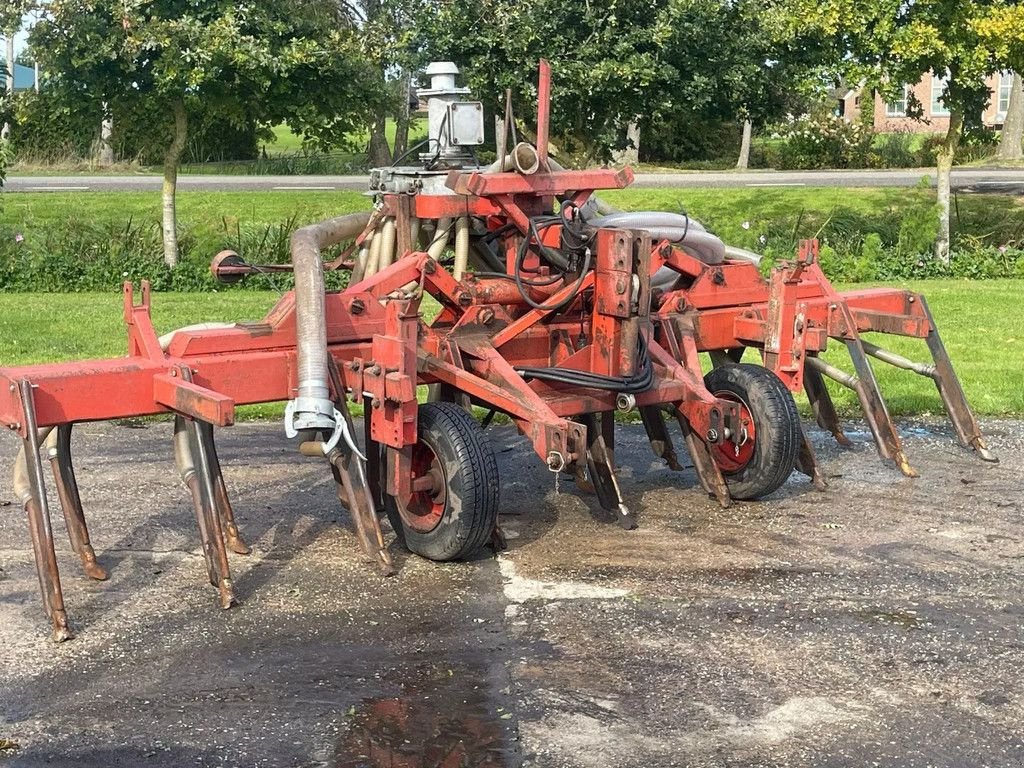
<point>551,308</point>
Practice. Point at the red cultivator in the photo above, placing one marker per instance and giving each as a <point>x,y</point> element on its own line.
<point>550,313</point>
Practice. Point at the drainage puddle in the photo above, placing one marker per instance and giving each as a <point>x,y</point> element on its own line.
<point>442,718</point>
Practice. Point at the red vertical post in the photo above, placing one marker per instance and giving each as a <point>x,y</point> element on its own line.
<point>543,112</point>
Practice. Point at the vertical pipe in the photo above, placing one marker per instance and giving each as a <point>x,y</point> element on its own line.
<point>461,247</point>
<point>441,237</point>
<point>414,233</point>
<point>543,111</point>
<point>373,260</point>
<point>387,248</point>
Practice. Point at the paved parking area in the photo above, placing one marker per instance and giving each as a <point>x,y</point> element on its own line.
<point>876,623</point>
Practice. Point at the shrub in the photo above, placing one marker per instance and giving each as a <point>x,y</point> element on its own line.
<point>822,141</point>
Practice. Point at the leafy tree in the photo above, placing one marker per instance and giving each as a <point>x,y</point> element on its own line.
<point>1002,28</point>
<point>892,42</point>
<point>250,62</point>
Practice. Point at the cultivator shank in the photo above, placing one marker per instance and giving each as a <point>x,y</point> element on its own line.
<point>550,310</point>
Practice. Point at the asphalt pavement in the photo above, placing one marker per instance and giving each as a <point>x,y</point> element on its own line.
<point>877,623</point>
<point>1001,180</point>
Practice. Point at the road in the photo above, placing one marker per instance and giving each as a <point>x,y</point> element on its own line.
<point>1009,181</point>
<point>876,623</point>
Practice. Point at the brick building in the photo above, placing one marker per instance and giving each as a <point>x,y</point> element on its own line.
<point>892,116</point>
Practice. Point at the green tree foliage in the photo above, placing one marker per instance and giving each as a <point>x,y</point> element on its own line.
<point>243,63</point>
<point>654,62</point>
<point>891,42</point>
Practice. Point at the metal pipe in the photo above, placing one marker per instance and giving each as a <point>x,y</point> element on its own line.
<point>373,259</point>
<point>461,247</point>
<point>899,361</point>
<point>312,407</point>
<point>833,373</point>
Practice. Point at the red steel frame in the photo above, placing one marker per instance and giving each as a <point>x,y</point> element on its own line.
<point>383,349</point>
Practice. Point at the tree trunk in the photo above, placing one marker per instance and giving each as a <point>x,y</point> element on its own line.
<point>744,162</point>
<point>171,160</point>
<point>630,154</point>
<point>403,120</point>
<point>1013,127</point>
<point>378,152</point>
<point>105,153</point>
<point>5,132</point>
<point>946,156</point>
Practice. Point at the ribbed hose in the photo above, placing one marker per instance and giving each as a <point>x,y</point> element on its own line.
<point>312,408</point>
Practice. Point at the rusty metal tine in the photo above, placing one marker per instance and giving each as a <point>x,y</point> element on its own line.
<point>821,403</point>
<point>877,414</point>
<point>352,486</point>
<point>71,503</point>
<point>608,434</point>
<point>657,434</point>
<point>807,462</point>
<point>39,523</point>
<point>214,535</point>
<point>602,472</point>
<point>224,509</point>
<point>193,484</point>
<point>952,393</point>
<point>708,472</point>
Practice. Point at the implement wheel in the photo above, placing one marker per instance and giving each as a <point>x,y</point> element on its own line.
<point>768,453</point>
<point>453,510</point>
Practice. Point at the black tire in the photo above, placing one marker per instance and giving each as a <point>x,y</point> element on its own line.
<point>463,516</point>
<point>777,430</point>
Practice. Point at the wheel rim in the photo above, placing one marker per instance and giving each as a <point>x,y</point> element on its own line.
<point>426,505</point>
<point>730,457</point>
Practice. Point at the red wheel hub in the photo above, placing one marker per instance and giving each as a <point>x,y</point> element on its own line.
<point>729,456</point>
<point>425,507</point>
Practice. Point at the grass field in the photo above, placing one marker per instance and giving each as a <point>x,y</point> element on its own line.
<point>985,340</point>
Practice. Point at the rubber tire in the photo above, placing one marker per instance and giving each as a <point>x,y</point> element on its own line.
<point>471,472</point>
<point>776,423</point>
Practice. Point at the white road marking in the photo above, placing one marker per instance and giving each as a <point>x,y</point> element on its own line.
<point>300,189</point>
<point>778,184</point>
<point>54,188</point>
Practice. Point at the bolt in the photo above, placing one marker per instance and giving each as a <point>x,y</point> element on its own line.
<point>375,403</point>
<point>430,266</point>
<point>712,435</point>
<point>665,252</point>
<point>465,299</point>
<point>374,371</point>
<point>174,373</point>
<point>680,304</point>
<point>486,316</point>
<point>910,299</point>
<point>357,306</point>
<point>354,365</point>
<point>620,287</point>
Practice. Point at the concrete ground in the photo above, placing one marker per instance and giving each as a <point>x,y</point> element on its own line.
<point>877,623</point>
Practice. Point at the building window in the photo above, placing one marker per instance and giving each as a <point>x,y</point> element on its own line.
<point>939,109</point>
<point>898,108</point>
<point>1005,86</point>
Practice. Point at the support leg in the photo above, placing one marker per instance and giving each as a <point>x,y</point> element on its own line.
<point>807,462</point>
<point>657,434</point>
<point>952,393</point>
<point>602,469</point>
<point>227,513</point>
<point>708,472</point>
<point>59,452</point>
<point>354,492</point>
<point>204,497</point>
<point>877,415</point>
<point>822,406</point>
<point>39,523</point>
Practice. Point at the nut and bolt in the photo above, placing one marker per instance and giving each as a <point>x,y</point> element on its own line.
<point>486,316</point>
<point>712,435</point>
<point>465,299</point>
<point>357,306</point>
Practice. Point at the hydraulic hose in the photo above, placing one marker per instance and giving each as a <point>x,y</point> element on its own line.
<point>312,408</point>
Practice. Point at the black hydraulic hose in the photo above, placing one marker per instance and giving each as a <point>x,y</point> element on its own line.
<point>641,381</point>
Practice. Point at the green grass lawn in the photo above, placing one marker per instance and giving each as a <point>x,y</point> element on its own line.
<point>985,340</point>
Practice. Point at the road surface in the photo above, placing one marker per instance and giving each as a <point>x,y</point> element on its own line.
<point>876,623</point>
<point>1008,181</point>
